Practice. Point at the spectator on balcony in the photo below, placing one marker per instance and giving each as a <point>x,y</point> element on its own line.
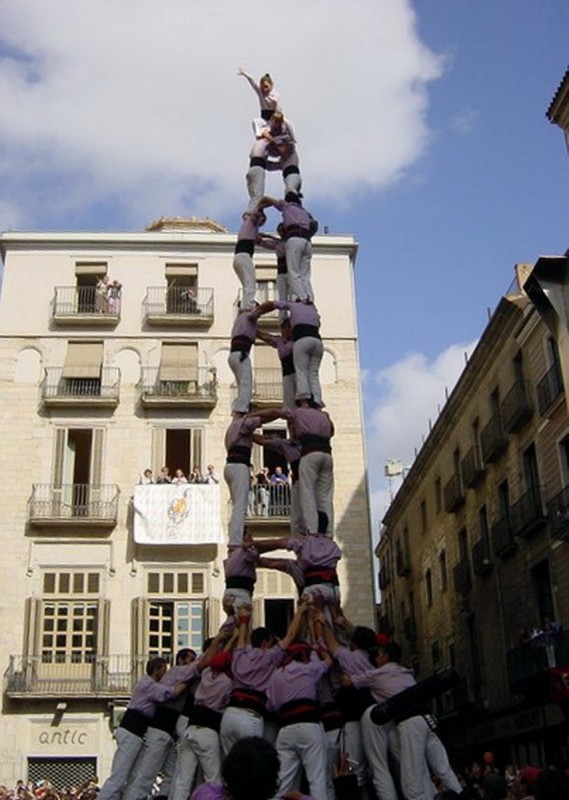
<point>278,476</point>
<point>189,297</point>
<point>262,492</point>
<point>114,297</point>
<point>146,477</point>
<point>164,476</point>
<point>211,477</point>
<point>196,476</point>
<point>101,296</point>
<point>291,451</point>
<point>179,477</point>
<point>146,696</point>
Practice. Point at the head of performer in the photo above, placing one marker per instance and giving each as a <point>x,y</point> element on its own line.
<point>276,122</point>
<point>388,652</point>
<point>185,656</point>
<point>263,638</point>
<point>299,651</point>
<point>364,639</point>
<point>266,84</point>
<point>250,770</point>
<point>156,668</point>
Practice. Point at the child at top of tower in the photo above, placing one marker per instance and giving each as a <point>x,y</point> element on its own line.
<point>269,99</point>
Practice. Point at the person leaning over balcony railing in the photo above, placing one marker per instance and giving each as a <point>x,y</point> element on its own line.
<point>291,451</point>
<point>146,696</point>
<point>146,478</point>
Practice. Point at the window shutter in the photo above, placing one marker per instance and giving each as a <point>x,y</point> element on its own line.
<point>83,360</point>
<point>31,627</point>
<point>179,362</point>
<point>59,456</point>
<point>139,615</point>
<point>196,440</point>
<point>97,457</point>
<point>158,449</point>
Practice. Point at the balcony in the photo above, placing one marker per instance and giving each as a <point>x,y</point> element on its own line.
<point>516,408</point>
<point>503,538</point>
<point>472,467</point>
<point>453,494</point>
<point>481,557</point>
<point>493,440</point>
<point>198,393</point>
<point>92,678</point>
<point>402,563</point>
<point>549,388</point>
<point>462,578</point>
<point>558,514</point>
<point>527,514</point>
<point>82,305</point>
<point>269,506</point>
<point>102,391</point>
<point>267,387</point>
<point>527,664</point>
<point>73,505</point>
<point>179,306</point>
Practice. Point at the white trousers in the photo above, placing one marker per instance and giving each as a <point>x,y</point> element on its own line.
<point>316,487</point>
<point>416,739</point>
<point>198,747</point>
<point>239,723</point>
<point>128,747</point>
<point>244,379</point>
<point>298,257</point>
<point>378,741</point>
<point>237,479</point>
<point>244,268</point>
<point>149,763</point>
<point>307,355</point>
<point>302,745</point>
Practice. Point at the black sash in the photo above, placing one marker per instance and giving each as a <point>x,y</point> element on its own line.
<point>239,455</point>
<point>245,246</point>
<point>301,331</point>
<point>314,444</point>
<point>241,344</point>
<point>206,718</point>
<point>287,365</point>
<point>135,722</point>
<point>240,582</point>
<point>165,719</point>
<point>301,710</point>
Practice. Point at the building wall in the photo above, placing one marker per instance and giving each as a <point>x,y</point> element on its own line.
<point>30,341</point>
<point>475,627</point>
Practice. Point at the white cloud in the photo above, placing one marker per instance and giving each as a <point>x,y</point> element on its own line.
<point>138,103</point>
<point>411,392</point>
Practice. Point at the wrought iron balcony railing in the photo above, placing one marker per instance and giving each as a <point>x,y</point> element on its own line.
<point>268,502</point>
<point>184,306</point>
<point>73,503</point>
<point>76,305</point>
<point>527,662</point>
<point>503,538</point>
<point>527,514</point>
<point>200,391</point>
<point>558,514</point>
<point>72,675</point>
<point>493,440</point>
<point>453,494</point>
<point>101,390</point>
<point>549,388</point>
<point>516,408</point>
<point>472,467</point>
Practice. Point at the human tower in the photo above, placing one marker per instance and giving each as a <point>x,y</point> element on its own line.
<point>182,721</point>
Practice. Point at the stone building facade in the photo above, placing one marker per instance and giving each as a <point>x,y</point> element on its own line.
<point>92,393</point>
<point>474,555</point>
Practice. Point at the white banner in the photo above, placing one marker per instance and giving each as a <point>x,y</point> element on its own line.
<point>181,514</point>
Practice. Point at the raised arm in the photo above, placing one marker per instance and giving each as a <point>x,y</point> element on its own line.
<point>295,626</point>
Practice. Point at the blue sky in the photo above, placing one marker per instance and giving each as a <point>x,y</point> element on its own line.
<point>421,127</point>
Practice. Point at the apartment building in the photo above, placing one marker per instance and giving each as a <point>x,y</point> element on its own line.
<point>95,389</point>
<point>474,555</point>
